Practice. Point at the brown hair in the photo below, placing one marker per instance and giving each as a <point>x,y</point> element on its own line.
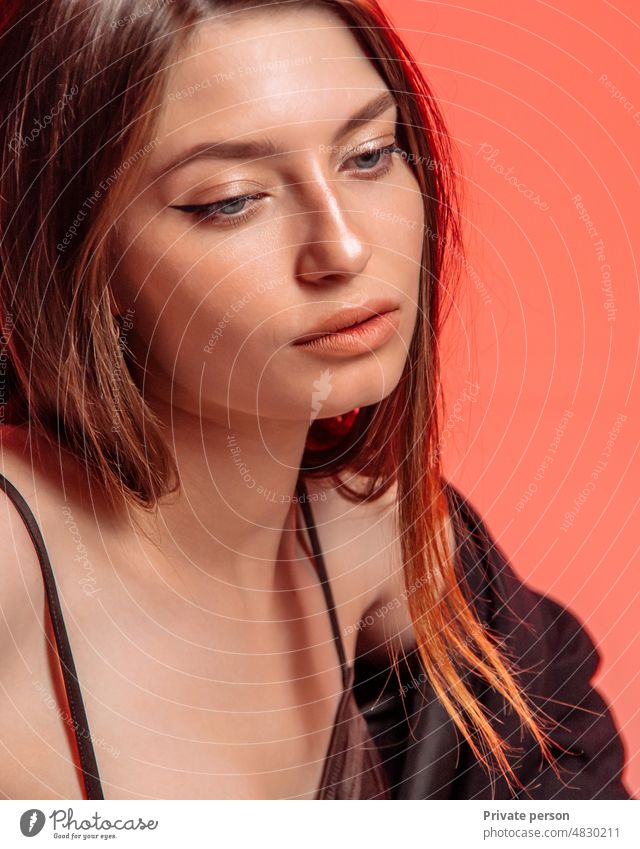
<point>92,69</point>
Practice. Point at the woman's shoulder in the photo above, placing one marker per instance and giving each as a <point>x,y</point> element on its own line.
<point>353,532</point>
<point>363,553</point>
<point>363,539</point>
<point>46,473</point>
<point>38,485</point>
<point>20,483</point>
<point>360,549</point>
<point>21,590</point>
<point>14,451</point>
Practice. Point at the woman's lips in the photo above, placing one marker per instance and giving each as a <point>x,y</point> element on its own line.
<point>349,315</point>
<point>359,338</point>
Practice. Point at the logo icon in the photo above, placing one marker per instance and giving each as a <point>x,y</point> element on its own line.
<point>32,822</point>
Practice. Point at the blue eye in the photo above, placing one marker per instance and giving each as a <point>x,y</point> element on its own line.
<point>216,211</point>
<point>225,212</point>
<point>382,152</point>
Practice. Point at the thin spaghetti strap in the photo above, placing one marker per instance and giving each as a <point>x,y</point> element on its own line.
<point>91,778</point>
<point>322,572</point>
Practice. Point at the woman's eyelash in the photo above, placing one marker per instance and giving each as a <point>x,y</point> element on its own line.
<point>211,211</point>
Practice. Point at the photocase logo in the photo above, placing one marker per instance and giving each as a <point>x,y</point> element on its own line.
<point>322,389</point>
<point>32,822</point>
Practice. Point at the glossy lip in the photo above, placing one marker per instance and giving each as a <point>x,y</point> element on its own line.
<point>346,318</point>
<point>362,338</point>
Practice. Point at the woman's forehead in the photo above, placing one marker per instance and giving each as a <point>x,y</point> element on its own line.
<point>265,71</point>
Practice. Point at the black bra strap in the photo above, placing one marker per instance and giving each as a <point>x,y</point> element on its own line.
<point>301,491</point>
<point>93,787</point>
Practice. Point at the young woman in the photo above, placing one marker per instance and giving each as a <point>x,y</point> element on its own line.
<point>233,568</point>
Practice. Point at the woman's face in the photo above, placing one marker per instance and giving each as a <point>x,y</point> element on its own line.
<point>218,302</point>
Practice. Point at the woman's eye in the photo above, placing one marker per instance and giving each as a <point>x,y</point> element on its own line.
<point>232,211</point>
<point>222,209</point>
<point>376,155</point>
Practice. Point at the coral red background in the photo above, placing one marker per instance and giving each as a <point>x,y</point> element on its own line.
<point>547,100</point>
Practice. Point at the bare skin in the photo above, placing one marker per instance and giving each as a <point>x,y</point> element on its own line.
<point>186,696</point>
<point>206,660</point>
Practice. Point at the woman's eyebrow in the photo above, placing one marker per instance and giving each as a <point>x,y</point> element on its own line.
<point>257,148</point>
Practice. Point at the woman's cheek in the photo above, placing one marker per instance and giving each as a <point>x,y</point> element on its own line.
<point>218,333</point>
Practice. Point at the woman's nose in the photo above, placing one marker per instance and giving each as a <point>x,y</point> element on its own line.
<point>330,241</point>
